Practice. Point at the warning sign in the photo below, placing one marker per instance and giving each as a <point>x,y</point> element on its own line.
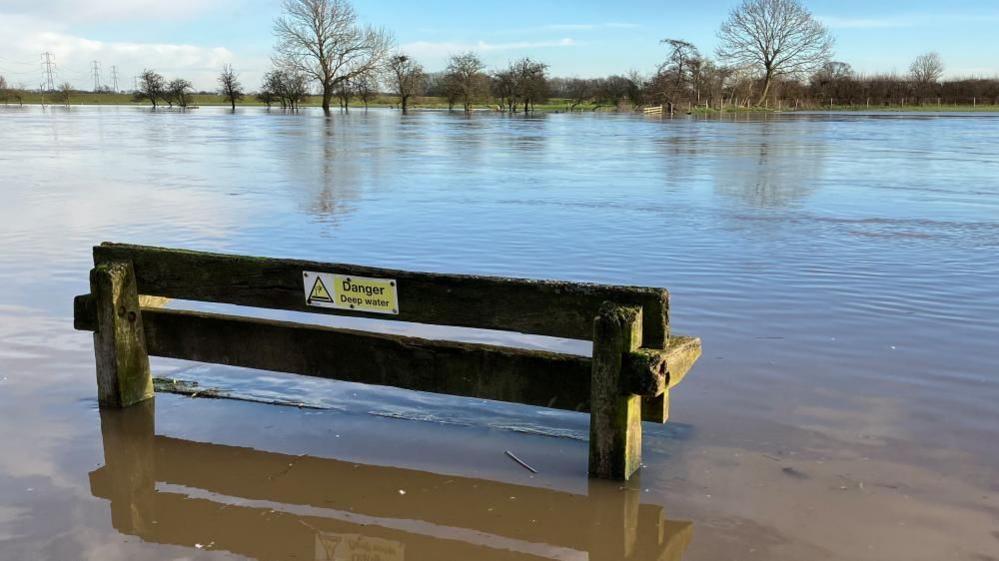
<point>352,293</point>
<point>319,292</point>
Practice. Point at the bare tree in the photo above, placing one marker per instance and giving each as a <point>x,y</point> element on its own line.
<point>366,88</point>
<point>179,91</point>
<point>266,97</point>
<point>443,84</point>
<point>780,38</point>
<point>578,91</point>
<point>8,92</point>
<point>927,69</point>
<point>833,81</point>
<point>530,81</point>
<point>152,87</point>
<point>613,90</point>
<point>676,76</point>
<point>229,86</point>
<point>464,75</point>
<point>270,90</point>
<point>343,92</point>
<point>321,39</point>
<point>63,92</point>
<point>406,77</point>
<point>503,84</point>
<point>286,86</point>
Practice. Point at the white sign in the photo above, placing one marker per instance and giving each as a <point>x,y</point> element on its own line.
<point>349,292</point>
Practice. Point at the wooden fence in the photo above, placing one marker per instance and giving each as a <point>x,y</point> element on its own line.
<point>634,362</point>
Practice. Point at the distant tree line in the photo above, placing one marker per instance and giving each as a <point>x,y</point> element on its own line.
<point>771,53</point>
<point>155,89</point>
<point>10,94</point>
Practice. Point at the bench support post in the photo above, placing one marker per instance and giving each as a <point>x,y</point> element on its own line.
<point>123,376</point>
<point>615,416</point>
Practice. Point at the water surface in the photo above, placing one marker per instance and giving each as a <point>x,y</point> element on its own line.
<point>840,269</point>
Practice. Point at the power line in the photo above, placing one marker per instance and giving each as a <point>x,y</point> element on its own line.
<point>48,68</point>
<point>96,69</point>
<point>114,78</point>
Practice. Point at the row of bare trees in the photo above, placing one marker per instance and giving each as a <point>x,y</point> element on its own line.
<point>770,52</point>
<point>155,89</point>
<point>9,94</point>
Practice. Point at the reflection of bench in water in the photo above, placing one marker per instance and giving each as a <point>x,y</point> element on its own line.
<point>275,506</point>
<point>634,362</point>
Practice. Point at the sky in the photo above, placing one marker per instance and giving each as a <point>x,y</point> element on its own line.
<point>194,38</point>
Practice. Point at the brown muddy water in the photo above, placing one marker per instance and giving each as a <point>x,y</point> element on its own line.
<point>841,270</point>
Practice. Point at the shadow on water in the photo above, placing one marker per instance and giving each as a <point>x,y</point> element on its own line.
<point>272,506</point>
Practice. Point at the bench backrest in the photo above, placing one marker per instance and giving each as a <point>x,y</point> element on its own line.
<point>554,308</point>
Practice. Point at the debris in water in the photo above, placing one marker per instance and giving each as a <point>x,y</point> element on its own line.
<point>521,462</point>
<point>791,472</point>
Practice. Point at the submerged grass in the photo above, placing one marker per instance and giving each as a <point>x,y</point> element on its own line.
<point>437,103</point>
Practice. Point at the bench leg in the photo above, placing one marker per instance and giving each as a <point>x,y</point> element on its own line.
<point>615,416</point>
<point>123,376</point>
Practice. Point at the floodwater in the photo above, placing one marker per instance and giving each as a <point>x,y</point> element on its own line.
<point>841,270</point>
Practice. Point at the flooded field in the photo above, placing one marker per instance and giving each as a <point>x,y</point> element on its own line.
<point>841,270</point>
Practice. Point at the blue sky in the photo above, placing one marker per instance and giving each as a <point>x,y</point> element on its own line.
<point>192,38</point>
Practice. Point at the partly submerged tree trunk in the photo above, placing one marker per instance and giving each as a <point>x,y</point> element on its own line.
<point>767,81</point>
<point>405,104</point>
<point>327,97</point>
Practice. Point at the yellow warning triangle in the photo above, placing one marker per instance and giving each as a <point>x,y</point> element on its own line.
<point>319,292</point>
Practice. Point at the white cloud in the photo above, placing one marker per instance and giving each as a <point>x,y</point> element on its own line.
<point>28,36</point>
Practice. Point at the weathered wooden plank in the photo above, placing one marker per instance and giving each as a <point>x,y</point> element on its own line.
<point>505,374</point>
<point>85,314</point>
<point>560,309</point>
<point>615,415</point>
<point>645,371</point>
<point>123,376</point>
<point>680,357</point>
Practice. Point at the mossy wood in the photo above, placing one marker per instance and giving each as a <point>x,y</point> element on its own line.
<point>624,368</point>
<point>123,376</point>
<point>615,408</point>
<point>532,377</point>
<point>540,307</point>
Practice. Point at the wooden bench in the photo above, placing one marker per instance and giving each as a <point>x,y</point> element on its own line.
<point>634,362</point>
